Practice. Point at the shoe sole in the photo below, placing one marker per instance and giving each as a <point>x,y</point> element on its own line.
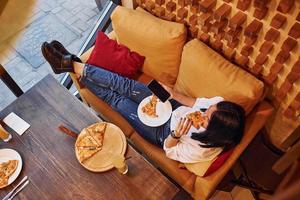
<point>45,56</point>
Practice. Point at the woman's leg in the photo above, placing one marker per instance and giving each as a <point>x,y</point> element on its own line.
<point>101,83</point>
<point>128,109</point>
<point>132,89</point>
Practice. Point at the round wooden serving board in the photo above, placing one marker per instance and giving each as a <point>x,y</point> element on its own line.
<point>114,143</point>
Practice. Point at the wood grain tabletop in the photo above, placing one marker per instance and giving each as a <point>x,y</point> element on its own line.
<point>49,158</point>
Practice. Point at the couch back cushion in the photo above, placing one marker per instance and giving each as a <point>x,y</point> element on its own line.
<point>160,41</point>
<point>117,58</point>
<point>204,73</point>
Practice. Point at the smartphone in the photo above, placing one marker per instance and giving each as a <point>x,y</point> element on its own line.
<point>159,91</point>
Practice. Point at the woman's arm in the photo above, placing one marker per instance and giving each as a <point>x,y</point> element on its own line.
<point>182,128</point>
<point>183,99</point>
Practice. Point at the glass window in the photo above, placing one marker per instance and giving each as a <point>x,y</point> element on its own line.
<point>68,21</point>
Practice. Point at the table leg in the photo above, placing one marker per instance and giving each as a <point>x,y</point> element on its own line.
<point>9,82</point>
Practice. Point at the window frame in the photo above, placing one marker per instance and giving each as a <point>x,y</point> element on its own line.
<point>102,24</point>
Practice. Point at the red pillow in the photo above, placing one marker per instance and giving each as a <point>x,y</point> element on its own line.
<point>218,162</point>
<point>110,55</point>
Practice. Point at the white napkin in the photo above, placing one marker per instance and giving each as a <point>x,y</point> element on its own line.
<point>16,123</point>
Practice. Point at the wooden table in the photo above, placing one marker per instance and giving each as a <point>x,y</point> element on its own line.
<point>49,158</point>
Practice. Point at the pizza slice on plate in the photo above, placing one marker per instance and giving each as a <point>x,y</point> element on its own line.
<point>100,128</point>
<point>90,141</point>
<point>97,132</point>
<point>87,141</point>
<point>197,119</point>
<point>150,108</point>
<point>85,153</point>
<point>3,180</point>
<point>6,170</point>
<point>9,167</point>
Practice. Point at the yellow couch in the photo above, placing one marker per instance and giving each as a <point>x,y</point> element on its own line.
<point>199,187</point>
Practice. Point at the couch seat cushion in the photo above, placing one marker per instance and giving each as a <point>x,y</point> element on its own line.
<point>204,73</point>
<point>160,41</point>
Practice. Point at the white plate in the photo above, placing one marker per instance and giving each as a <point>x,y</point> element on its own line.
<point>10,154</point>
<point>163,110</point>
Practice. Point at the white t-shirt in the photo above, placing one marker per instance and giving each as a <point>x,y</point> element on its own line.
<point>188,150</point>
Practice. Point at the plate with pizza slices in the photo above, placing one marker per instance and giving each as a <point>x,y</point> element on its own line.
<point>152,112</point>
<point>10,166</point>
<point>96,145</point>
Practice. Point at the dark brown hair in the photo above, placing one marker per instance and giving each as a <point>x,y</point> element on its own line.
<point>225,128</point>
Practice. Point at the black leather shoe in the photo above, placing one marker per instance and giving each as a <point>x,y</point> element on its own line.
<point>59,63</point>
<point>60,47</point>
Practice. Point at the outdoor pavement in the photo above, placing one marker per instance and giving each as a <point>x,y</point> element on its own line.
<point>68,21</point>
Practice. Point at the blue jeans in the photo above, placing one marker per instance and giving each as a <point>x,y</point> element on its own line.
<point>124,96</point>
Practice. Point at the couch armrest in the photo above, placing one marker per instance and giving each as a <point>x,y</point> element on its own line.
<point>205,186</point>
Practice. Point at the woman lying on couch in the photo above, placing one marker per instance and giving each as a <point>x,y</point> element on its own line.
<point>222,129</point>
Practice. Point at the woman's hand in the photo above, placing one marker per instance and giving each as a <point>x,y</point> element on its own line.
<point>183,127</point>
